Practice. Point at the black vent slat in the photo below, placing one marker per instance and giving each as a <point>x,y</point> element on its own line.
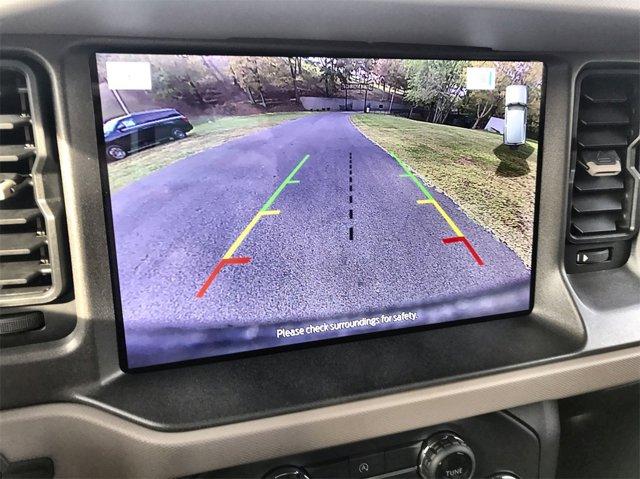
<point>603,115</point>
<point>586,183</point>
<point>602,138</point>
<point>21,273</point>
<point>597,203</point>
<point>14,153</point>
<point>10,175</point>
<point>603,91</point>
<point>20,244</point>
<point>18,217</point>
<point>11,122</point>
<point>595,224</point>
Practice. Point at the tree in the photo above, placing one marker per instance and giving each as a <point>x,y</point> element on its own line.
<point>390,73</point>
<point>481,104</point>
<point>329,70</point>
<point>516,73</point>
<point>360,70</point>
<point>185,77</point>
<point>335,71</point>
<point>396,79</point>
<point>246,74</point>
<point>273,73</point>
<point>435,84</point>
<point>295,67</point>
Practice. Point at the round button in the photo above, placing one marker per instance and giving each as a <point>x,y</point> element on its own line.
<point>446,456</point>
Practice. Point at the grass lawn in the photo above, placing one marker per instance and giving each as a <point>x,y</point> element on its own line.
<point>203,136</point>
<point>493,184</point>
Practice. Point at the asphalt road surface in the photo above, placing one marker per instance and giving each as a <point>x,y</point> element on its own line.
<point>304,222</point>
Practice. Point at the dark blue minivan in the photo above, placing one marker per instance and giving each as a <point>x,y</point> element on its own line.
<point>130,133</point>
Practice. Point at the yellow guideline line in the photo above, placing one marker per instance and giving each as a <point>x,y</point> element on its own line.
<point>430,200</point>
<point>444,214</point>
<point>236,244</point>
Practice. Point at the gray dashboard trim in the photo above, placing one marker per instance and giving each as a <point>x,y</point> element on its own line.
<point>507,25</point>
<point>87,442</point>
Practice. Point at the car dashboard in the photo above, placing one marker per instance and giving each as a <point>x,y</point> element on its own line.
<point>484,354</point>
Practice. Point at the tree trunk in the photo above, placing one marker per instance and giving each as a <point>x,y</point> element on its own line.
<point>294,69</point>
<point>234,77</point>
<point>481,114</point>
<point>264,103</point>
<point>256,77</point>
<point>253,100</point>
<point>436,112</point>
<point>196,92</point>
<point>393,94</point>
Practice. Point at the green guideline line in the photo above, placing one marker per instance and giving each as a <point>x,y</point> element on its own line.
<point>282,186</point>
<point>408,172</point>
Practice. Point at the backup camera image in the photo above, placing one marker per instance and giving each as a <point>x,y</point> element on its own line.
<point>259,202</point>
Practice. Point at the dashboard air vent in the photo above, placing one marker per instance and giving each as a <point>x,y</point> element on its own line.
<point>31,269</point>
<point>604,195</point>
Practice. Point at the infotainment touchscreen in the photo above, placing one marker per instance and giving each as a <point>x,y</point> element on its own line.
<point>261,202</point>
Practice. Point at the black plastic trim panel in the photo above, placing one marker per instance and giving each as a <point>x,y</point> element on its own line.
<point>252,387</point>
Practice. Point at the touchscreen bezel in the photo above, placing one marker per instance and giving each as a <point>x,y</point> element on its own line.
<point>287,49</point>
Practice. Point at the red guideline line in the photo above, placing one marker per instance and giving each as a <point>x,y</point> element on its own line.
<point>465,241</point>
<point>221,264</point>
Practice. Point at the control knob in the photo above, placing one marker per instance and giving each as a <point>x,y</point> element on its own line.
<point>446,456</point>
